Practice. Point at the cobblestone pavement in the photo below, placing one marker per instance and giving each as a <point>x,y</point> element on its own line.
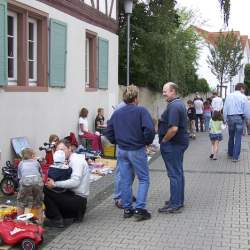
<point>216,214</point>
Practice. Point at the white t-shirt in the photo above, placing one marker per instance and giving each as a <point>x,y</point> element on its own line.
<point>217,104</point>
<point>84,122</point>
<point>198,105</point>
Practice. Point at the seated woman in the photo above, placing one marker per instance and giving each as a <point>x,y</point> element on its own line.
<point>84,131</point>
<point>99,120</point>
<point>71,203</point>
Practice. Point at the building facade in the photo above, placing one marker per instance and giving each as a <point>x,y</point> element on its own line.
<point>56,56</point>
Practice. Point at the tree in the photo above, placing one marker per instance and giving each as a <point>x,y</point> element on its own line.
<point>163,46</point>
<point>247,77</point>
<point>225,57</point>
<point>225,7</point>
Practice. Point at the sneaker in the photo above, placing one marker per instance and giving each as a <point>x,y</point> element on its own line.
<point>141,214</point>
<point>211,156</point>
<point>54,223</point>
<point>118,204</point>
<point>129,212</point>
<point>170,210</point>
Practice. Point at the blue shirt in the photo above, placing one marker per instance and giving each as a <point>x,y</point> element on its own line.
<point>131,127</point>
<point>175,115</point>
<point>235,104</point>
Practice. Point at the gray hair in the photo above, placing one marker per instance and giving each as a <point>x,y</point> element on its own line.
<point>172,85</point>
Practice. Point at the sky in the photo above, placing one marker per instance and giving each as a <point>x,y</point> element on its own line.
<point>209,11</point>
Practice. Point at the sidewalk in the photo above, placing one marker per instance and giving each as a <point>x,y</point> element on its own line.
<point>216,214</point>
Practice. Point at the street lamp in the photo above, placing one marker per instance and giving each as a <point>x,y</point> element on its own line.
<point>128,7</point>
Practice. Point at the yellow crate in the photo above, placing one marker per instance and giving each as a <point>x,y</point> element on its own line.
<point>109,151</point>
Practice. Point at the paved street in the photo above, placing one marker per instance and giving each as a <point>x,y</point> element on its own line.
<point>216,214</point>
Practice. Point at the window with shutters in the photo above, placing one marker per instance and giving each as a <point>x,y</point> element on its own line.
<point>27,46</point>
<point>32,51</point>
<point>90,60</point>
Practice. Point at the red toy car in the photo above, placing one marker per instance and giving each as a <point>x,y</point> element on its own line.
<point>13,232</point>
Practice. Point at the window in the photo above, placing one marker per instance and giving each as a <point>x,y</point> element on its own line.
<point>87,63</point>
<point>32,51</point>
<point>27,48</point>
<point>12,47</point>
<point>90,60</point>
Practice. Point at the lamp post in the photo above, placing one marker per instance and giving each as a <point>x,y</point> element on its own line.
<point>128,7</point>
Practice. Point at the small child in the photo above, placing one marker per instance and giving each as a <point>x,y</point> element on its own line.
<point>59,171</point>
<point>30,192</point>
<point>191,119</point>
<point>53,141</point>
<point>215,133</point>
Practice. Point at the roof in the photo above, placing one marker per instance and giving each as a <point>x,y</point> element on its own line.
<point>211,37</point>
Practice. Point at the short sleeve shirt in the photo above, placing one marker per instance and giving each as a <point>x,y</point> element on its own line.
<point>175,115</point>
<point>84,122</point>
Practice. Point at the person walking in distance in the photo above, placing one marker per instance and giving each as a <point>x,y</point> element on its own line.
<point>217,102</point>
<point>131,128</point>
<point>234,111</point>
<point>174,141</point>
<point>198,105</point>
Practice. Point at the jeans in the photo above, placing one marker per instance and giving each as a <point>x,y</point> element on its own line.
<point>117,182</point>
<point>133,162</point>
<point>172,155</point>
<point>207,117</point>
<point>197,118</point>
<point>235,130</point>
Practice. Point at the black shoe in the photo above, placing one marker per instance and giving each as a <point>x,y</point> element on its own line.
<point>54,223</point>
<point>211,156</point>
<point>128,213</point>
<point>118,204</point>
<point>142,214</point>
<point>170,210</point>
<point>168,202</point>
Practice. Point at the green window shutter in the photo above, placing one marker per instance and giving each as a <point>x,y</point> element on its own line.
<point>3,43</point>
<point>58,51</point>
<point>103,61</point>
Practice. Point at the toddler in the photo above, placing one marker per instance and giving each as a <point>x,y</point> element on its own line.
<point>215,133</point>
<point>59,171</point>
<point>30,194</point>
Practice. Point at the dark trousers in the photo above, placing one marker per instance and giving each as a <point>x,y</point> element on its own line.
<point>63,205</point>
<point>199,117</point>
<point>172,155</point>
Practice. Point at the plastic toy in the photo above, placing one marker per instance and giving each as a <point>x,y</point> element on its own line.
<point>13,232</point>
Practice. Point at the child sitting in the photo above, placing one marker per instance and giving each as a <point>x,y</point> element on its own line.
<point>30,192</point>
<point>59,171</point>
<point>215,133</point>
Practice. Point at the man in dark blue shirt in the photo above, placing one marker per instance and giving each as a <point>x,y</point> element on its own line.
<point>173,138</point>
<point>131,127</point>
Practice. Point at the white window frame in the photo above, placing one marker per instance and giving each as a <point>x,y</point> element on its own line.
<point>87,58</point>
<point>33,81</point>
<point>13,80</point>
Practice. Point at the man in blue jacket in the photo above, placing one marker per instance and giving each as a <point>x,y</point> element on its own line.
<point>131,127</point>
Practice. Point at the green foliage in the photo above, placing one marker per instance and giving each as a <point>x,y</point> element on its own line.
<point>225,57</point>
<point>163,46</point>
<point>225,7</point>
<point>247,77</point>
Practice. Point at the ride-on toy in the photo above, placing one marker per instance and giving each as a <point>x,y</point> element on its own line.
<point>13,232</point>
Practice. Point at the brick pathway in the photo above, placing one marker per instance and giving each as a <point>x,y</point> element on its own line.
<point>216,214</point>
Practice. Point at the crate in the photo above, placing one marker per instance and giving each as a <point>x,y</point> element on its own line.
<point>109,151</point>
